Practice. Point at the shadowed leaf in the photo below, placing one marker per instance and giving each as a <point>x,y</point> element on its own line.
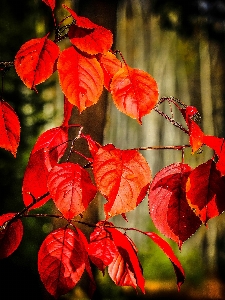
<point>9,128</point>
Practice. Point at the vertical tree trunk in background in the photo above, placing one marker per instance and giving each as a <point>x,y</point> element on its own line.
<point>103,13</point>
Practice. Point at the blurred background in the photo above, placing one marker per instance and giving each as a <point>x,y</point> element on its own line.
<point>182,45</point>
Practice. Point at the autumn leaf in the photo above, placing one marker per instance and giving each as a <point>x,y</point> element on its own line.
<point>110,65</point>
<point>168,205</point>
<point>11,236</point>
<point>92,285</point>
<point>50,3</point>
<point>9,128</point>
<point>195,132</point>
<point>88,36</point>
<point>218,145</point>
<point>102,248</point>
<point>81,78</point>
<point>45,154</point>
<point>54,144</point>
<point>67,111</point>
<point>134,92</point>
<point>35,61</point>
<point>122,176</point>
<point>179,271</point>
<point>93,145</point>
<point>205,191</point>
<point>35,180</point>
<point>61,261</point>
<point>71,189</point>
<point>125,269</point>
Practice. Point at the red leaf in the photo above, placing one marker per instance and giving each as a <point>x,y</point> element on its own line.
<point>218,145</point>
<point>122,176</point>
<point>205,191</point>
<point>81,78</point>
<point>50,3</point>
<point>125,269</point>
<point>61,261</point>
<point>67,111</point>
<point>9,128</point>
<point>93,146</point>
<point>195,132</point>
<point>168,205</point>
<point>134,92</point>
<point>35,180</point>
<point>11,236</point>
<point>46,153</point>
<point>101,248</point>
<point>54,144</point>
<point>35,61</point>
<point>170,254</point>
<point>71,189</point>
<point>88,36</point>
<point>110,65</point>
<point>92,286</point>
<point>196,136</point>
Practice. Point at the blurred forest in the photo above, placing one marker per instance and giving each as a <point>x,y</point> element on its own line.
<point>181,44</point>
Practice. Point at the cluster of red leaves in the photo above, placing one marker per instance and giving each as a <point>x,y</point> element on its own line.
<point>180,198</point>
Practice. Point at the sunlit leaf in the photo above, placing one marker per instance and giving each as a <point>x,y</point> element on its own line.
<point>71,189</point>
<point>205,191</point>
<point>122,176</point>
<point>81,78</point>
<point>125,269</point>
<point>11,236</point>
<point>110,65</point>
<point>168,205</point>
<point>9,128</point>
<point>195,132</point>
<point>88,36</point>
<point>35,61</point>
<point>61,261</point>
<point>53,142</point>
<point>134,92</point>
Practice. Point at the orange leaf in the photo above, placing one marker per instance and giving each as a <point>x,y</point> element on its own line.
<point>35,61</point>
<point>81,78</point>
<point>122,176</point>
<point>205,191</point>
<point>71,189</point>
<point>134,92</point>
<point>110,65</point>
<point>195,132</point>
<point>88,36</point>
<point>168,205</point>
<point>9,128</point>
